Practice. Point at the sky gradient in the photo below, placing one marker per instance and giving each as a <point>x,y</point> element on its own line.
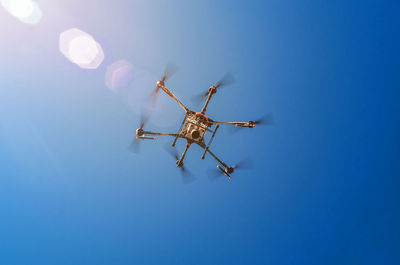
<point>325,185</point>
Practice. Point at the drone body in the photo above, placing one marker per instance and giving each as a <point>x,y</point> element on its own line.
<point>194,127</point>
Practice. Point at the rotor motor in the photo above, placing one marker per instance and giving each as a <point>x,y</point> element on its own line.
<point>139,132</point>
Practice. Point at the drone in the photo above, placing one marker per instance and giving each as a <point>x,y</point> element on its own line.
<point>195,125</point>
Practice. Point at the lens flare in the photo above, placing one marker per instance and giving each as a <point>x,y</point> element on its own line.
<point>81,48</point>
<point>26,11</point>
<point>21,8</point>
<point>119,75</point>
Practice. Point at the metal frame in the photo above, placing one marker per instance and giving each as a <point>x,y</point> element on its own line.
<point>203,122</point>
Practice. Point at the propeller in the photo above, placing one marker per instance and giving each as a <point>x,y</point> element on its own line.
<point>135,144</point>
<point>144,118</point>
<point>170,70</point>
<point>187,177</point>
<point>245,164</point>
<point>197,99</point>
<point>267,119</point>
<point>172,152</point>
<point>225,81</point>
<point>215,174</point>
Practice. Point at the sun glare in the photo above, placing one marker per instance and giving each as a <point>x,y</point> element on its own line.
<point>26,11</point>
<point>81,49</point>
<point>21,8</point>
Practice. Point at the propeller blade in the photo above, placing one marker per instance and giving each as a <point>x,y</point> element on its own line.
<point>267,119</point>
<point>170,70</point>
<point>246,163</point>
<point>144,117</point>
<point>214,174</point>
<point>197,99</point>
<point>187,177</point>
<point>172,152</point>
<point>152,98</point>
<point>143,121</point>
<point>134,146</point>
<point>225,81</point>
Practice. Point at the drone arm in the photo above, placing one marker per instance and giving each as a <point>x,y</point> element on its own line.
<point>210,93</point>
<point>169,93</point>
<point>224,172</point>
<point>235,123</point>
<point>159,133</point>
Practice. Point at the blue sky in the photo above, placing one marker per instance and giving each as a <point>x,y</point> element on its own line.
<point>325,184</point>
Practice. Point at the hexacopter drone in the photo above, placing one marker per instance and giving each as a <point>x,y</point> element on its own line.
<point>195,125</point>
